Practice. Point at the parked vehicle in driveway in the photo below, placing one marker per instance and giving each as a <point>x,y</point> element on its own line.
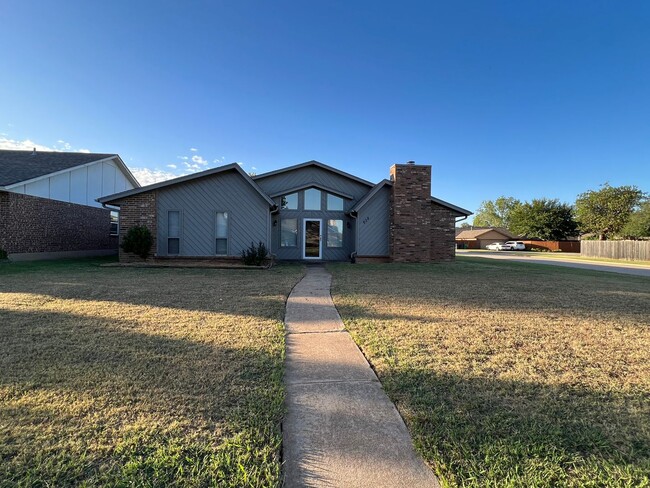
<point>498,246</point>
<point>516,245</point>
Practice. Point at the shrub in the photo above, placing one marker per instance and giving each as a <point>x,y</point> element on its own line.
<point>254,255</point>
<point>3,254</point>
<point>138,240</point>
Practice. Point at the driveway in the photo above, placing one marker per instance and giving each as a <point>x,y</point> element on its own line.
<point>547,258</point>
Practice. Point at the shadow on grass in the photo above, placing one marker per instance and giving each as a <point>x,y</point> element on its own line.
<point>244,292</point>
<point>93,400</point>
<point>485,432</point>
<point>494,286</point>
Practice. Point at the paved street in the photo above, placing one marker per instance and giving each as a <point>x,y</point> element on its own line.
<point>547,258</point>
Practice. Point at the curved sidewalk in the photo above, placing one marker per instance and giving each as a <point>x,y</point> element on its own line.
<point>340,430</point>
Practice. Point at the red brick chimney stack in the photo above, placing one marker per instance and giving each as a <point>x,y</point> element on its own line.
<point>410,226</point>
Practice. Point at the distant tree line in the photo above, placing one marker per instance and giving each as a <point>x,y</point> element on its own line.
<point>606,213</point>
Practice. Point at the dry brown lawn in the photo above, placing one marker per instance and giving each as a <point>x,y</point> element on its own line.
<point>148,377</point>
<point>511,374</point>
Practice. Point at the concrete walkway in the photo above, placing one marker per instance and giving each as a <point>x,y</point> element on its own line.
<point>341,430</point>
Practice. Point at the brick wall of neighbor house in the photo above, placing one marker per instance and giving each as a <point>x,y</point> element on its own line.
<point>137,210</point>
<point>410,212</point>
<point>31,224</point>
<point>443,233</point>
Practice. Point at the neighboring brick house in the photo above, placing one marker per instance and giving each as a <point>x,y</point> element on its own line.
<point>48,206</point>
<point>309,211</point>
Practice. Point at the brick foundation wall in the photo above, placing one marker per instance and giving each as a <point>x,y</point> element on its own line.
<point>443,233</point>
<point>31,224</point>
<point>137,210</point>
<point>410,212</point>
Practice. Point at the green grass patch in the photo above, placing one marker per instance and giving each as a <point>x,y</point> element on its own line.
<point>508,373</point>
<point>141,377</point>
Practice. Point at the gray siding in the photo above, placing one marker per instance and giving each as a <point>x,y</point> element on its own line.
<point>199,200</point>
<point>312,174</point>
<point>373,225</point>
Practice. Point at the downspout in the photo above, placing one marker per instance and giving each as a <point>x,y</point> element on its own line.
<point>353,255</point>
<point>274,211</point>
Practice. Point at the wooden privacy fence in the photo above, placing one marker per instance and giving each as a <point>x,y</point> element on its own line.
<point>565,246</point>
<point>630,250</point>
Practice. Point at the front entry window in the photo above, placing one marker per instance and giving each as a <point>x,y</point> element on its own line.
<point>288,232</point>
<point>334,233</point>
<point>312,199</point>
<point>312,239</point>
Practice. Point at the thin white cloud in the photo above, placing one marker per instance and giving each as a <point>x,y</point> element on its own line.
<point>199,160</point>
<point>172,166</point>
<point>148,176</point>
<point>24,145</point>
<point>184,158</point>
<point>193,149</point>
<point>84,150</point>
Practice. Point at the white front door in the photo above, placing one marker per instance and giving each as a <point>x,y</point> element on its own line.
<point>312,239</point>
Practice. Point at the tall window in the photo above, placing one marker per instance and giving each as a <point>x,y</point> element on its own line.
<point>173,232</point>
<point>115,223</point>
<point>288,232</point>
<point>335,233</point>
<point>222,233</point>
<point>312,199</point>
<point>290,202</point>
<point>334,202</point>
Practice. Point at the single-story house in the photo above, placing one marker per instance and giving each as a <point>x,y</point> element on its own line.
<point>481,237</point>
<point>48,203</point>
<point>309,211</point>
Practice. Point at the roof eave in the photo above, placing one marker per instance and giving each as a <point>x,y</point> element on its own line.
<point>368,196</point>
<point>451,206</point>
<point>181,179</point>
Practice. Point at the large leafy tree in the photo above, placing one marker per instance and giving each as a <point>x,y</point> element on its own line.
<point>639,223</point>
<point>606,211</point>
<point>544,219</point>
<point>496,213</point>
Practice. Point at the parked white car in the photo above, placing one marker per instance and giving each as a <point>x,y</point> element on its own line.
<point>516,245</point>
<point>497,246</point>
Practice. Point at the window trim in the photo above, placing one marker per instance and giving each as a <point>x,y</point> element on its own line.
<point>216,214</point>
<point>297,239</point>
<point>180,232</point>
<point>117,231</point>
<point>327,244</point>
<point>327,203</point>
<point>297,193</point>
<point>320,200</point>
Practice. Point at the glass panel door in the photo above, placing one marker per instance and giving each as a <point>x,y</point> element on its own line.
<point>312,239</point>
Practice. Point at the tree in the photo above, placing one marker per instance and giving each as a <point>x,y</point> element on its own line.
<point>606,211</point>
<point>544,219</point>
<point>639,223</point>
<point>496,213</point>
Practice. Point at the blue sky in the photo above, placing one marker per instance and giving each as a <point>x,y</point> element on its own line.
<point>521,98</point>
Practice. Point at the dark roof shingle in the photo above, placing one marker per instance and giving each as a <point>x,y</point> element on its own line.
<point>17,166</point>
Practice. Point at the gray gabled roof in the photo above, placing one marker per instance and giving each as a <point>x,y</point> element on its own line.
<point>18,166</point>
<point>370,194</point>
<point>182,179</point>
<point>450,206</point>
<point>319,165</point>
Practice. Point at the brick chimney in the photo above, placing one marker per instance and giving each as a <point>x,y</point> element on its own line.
<point>410,213</point>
